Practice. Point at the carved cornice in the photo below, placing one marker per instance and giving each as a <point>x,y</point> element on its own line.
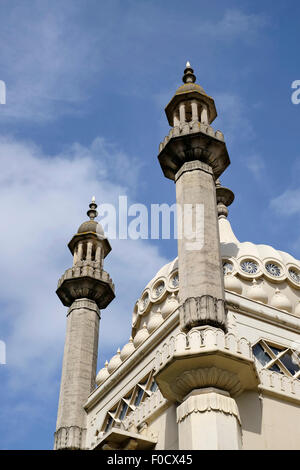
<point>204,310</point>
<point>254,309</point>
<point>204,402</point>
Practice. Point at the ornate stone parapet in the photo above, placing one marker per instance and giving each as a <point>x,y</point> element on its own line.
<point>69,438</point>
<point>204,310</point>
<point>274,383</point>
<point>86,280</point>
<point>190,128</point>
<point>204,357</point>
<point>193,141</point>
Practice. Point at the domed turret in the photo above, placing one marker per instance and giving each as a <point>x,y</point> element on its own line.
<point>87,279</point>
<point>190,102</point>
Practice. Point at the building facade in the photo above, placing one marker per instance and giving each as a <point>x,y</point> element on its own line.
<point>213,359</point>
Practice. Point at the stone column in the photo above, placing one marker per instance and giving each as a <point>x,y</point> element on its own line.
<point>79,251</point>
<point>195,116</point>
<point>201,289</point>
<point>175,120</point>
<point>204,115</point>
<point>89,251</point>
<point>98,254</point>
<point>208,419</point>
<point>78,373</point>
<point>182,113</point>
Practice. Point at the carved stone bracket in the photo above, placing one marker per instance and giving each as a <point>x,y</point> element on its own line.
<point>207,377</point>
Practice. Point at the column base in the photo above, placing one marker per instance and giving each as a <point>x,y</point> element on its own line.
<point>69,438</point>
<point>204,310</point>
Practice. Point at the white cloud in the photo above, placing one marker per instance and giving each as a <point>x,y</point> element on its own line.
<point>256,165</point>
<point>51,62</point>
<point>288,203</point>
<point>233,118</point>
<point>43,200</point>
<point>48,66</point>
<point>235,24</point>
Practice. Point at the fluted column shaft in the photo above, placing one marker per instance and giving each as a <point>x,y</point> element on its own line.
<point>199,259</point>
<point>78,372</point>
<point>195,116</point>
<point>182,113</point>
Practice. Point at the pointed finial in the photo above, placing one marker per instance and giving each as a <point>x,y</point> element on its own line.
<point>106,364</point>
<point>92,213</point>
<point>188,76</point>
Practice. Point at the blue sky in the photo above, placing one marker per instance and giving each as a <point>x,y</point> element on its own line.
<point>87,82</point>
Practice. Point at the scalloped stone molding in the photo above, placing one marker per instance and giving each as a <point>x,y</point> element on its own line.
<point>211,401</point>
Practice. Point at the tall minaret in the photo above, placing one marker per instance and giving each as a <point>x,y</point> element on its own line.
<point>194,156</point>
<point>85,289</point>
<point>204,373</point>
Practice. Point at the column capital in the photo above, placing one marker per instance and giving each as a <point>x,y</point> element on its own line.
<point>207,399</point>
<point>192,166</point>
<point>87,304</point>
